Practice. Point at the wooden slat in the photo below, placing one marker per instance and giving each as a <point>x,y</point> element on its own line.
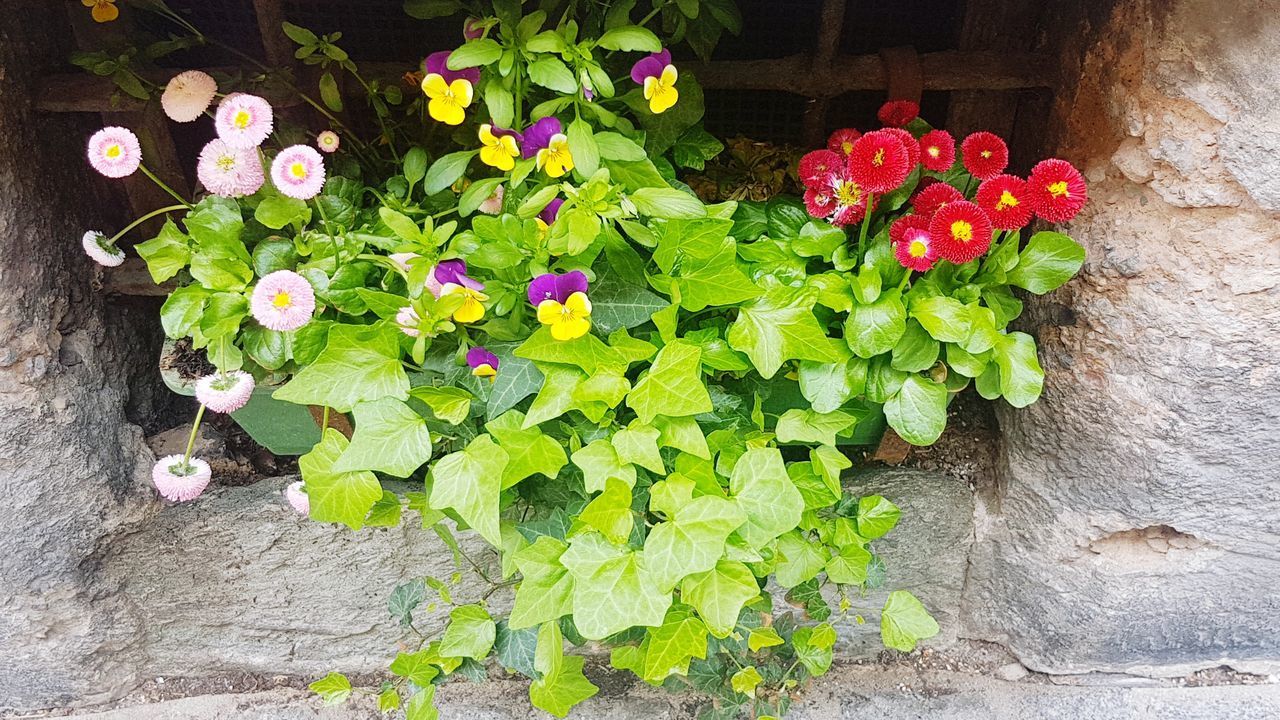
<point>830,28</point>
<point>992,25</point>
<point>277,46</point>
<point>82,92</point>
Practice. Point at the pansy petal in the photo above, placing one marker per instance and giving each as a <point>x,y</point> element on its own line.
<point>542,288</point>
<point>578,304</point>
<point>434,86</point>
<point>569,284</point>
<point>570,328</point>
<point>549,311</point>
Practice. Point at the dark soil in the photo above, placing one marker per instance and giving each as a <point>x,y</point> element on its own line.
<point>189,362</point>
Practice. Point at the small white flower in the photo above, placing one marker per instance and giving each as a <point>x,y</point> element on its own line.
<point>95,246</point>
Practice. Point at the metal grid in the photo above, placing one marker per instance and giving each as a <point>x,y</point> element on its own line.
<point>766,115</point>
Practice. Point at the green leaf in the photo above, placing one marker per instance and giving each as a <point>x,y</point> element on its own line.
<point>610,511</point>
<point>390,437</point>
<point>799,559</point>
<point>166,254</point>
<point>813,647</point>
<point>630,38</point>
<point>448,403</point>
<point>680,638</point>
<point>519,379</point>
<point>181,312</point>
<point>446,170</point>
<point>673,385</point>
<point>500,103</point>
<point>828,463</point>
<point>335,496</point>
<point>614,146</point>
<point>616,303</point>
<point>329,92</point>
<point>420,706</point>
<point>682,433</point>
<point>746,680</point>
<point>876,516</point>
<point>849,565</point>
<point>875,328</point>
<point>692,541</point>
<point>475,53</point>
<point>764,491</point>
<point>551,73</point>
<point>582,145</point>
<point>273,254</point>
<point>637,444</point>
<point>1021,378</point>
<point>428,9</point>
<point>810,426</point>
<point>1049,260</point>
<point>556,397</point>
<point>545,591</point>
<point>562,684</point>
<point>415,165</point>
<point>720,593</point>
<point>470,633</point>
<point>946,318</point>
<point>587,352</point>
<point>763,637</point>
<point>613,589</point>
<point>515,649</point>
<point>530,451</point>
<point>418,667</point>
<point>667,203</point>
<point>918,412</point>
<point>905,621</point>
<point>916,351</point>
<point>599,463</point>
<point>476,193</point>
<point>335,688</point>
<point>714,281</point>
<point>358,363</point>
<point>388,700</point>
<point>469,481</point>
<point>223,314</point>
<point>779,327</point>
<point>404,599</point>
<point>818,239</point>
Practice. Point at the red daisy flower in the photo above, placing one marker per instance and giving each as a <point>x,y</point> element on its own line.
<point>1056,190</point>
<point>897,113</point>
<point>909,142</point>
<point>938,150</point>
<point>879,162</point>
<point>819,203</point>
<point>961,231</point>
<point>850,199</point>
<point>816,168</point>
<point>841,141</point>
<point>917,250</point>
<point>929,200</point>
<point>1004,199</point>
<point>905,224</point>
<point>985,155</point>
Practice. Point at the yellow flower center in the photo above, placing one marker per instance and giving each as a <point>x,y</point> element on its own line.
<point>241,119</point>
<point>282,300</point>
<point>878,159</point>
<point>846,147</point>
<point>985,153</point>
<point>485,370</point>
<point>917,249</point>
<point>114,151</point>
<point>298,170</point>
<point>1059,189</point>
<point>1007,200</point>
<point>962,230</point>
<point>934,151</point>
<point>226,163</point>
<point>848,193</point>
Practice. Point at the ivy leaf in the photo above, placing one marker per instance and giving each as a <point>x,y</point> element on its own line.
<point>587,352</point>
<point>388,700</point>
<point>637,444</point>
<point>714,280</point>
<point>359,363</point>
<point>673,385</point>
<point>610,511</point>
<point>335,688</point>
<point>719,594</point>
<point>763,637</point>
<point>166,254</point>
<point>1021,378</point>
<point>562,684</point>
<point>808,595</point>
<point>1049,260</point>
<point>779,327</point>
<point>390,437</point>
<point>876,516</point>
<point>404,599</point>
<point>418,667</point>
<point>683,434</point>
<point>559,383</point>
<point>470,633</point>
<point>519,379</point>
<point>469,481</point>
<point>746,680</point>
<point>876,328</point>
<point>343,497</point>
<point>680,638</point>
<point>692,541</point>
<point>764,491</point>
<point>545,591</point>
<point>813,647</point>
<point>529,451</point>
<point>849,565</point>
<point>800,560</point>
<point>448,403</point>
<point>600,463</point>
<point>616,303</point>
<point>905,621</point>
<point>515,649</point>
<point>809,426</point>
<point>918,411</point>
<point>421,705</point>
<point>829,463</point>
<point>613,590</point>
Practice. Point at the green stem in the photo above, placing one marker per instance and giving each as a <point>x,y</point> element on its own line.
<point>866,223</point>
<point>145,218</point>
<point>905,280</point>
<point>191,439</point>
<point>324,420</point>
<point>162,185</point>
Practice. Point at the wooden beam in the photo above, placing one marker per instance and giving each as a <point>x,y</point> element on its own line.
<point>1006,26</point>
<point>82,92</point>
<point>278,47</point>
<point>830,29</point>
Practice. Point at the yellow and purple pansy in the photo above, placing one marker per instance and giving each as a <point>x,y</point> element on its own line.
<point>482,363</point>
<point>548,216</point>
<point>449,277</point>
<point>499,147</point>
<point>450,91</point>
<point>546,141</point>
<point>658,77</point>
<point>562,303</point>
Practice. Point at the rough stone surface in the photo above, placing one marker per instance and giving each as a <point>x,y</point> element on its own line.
<point>209,442</point>
<point>1136,524</point>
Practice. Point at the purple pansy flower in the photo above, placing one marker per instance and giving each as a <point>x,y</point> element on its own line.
<point>436,64</point>
<point>473,28</point>
<point>550,286</point>
<point>538,135</point>
<point>549,213</point>
<point>482,362</point>
<point>450,271</point>
<point>651,66</point>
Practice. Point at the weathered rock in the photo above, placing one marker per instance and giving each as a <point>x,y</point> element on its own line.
<point>209,442</point>
<point>1136,528</point>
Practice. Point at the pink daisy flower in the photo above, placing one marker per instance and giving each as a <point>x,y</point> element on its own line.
<point>934,197</point>
<point>115,152</point>
<point>841,141</point>
<point>409,320</point>
<point>328,141</point>
<point>879,162</point>
<point>984,155</point>
<point>297,496</point>
<point>819,203</point>
<point>228,172</point>
<point>898,113</point>
<point>916,251</point>
<point>97,247</point>
<point>909,142</point>
<point>225,393</point>
<point>180,481</point>
<point>298,171</point>
<point>282,300</point>
<point>937,150</point>
<point>188,95</point>
<point>243,120</point>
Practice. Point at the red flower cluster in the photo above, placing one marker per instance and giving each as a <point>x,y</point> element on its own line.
<point>945,223</point>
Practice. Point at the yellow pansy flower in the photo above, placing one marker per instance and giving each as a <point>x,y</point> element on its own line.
<point>499,151</point>
<point>660,90</point>
<point>555,158</point>
<point>103,10</point>
<point>568,321</point>
<point>449,100</point>
<point>472,308</point>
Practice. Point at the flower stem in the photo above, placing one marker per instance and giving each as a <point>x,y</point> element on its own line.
<point>144,218</point>
<point>163,186</point>
<point>866,223</point>
<point>324,420</point>
<point>191,439</point>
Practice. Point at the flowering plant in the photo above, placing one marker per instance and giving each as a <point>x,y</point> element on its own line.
<point>637,400</point>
